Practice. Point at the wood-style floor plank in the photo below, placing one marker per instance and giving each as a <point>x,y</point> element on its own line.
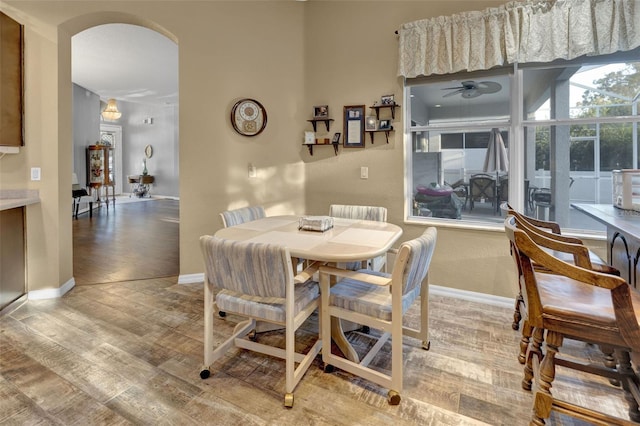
<point>118,349</point>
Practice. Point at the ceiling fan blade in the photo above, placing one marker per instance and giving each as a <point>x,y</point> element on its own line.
<point>455,92</point>
<point>488,87</point>
<point>469,84</point>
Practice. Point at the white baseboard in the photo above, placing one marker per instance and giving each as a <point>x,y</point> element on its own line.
<point>52,293</point>
<point>472,296</point>
<point>191,278</point>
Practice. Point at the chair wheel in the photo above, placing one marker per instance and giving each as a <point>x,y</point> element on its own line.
<point>328,368</point>
<point>253,335</point>
<point>426,345</point>
<point>204,374</point>
<point>393,397</point>
<point>222,314</point>
<point>288,400</point>
<point>365,329</point>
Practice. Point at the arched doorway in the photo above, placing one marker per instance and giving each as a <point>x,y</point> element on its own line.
<point>115,69</point>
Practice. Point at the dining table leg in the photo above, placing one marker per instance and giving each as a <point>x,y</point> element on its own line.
<point>337,334</point>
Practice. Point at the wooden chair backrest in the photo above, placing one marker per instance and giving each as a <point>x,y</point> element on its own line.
<point>529,252</point>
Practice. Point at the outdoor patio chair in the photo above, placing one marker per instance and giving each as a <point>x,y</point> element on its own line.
<point>482,187</point>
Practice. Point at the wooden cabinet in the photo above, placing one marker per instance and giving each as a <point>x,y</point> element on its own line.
<point>11,82</point>
<point>100,170</point>
<point>12,256</point>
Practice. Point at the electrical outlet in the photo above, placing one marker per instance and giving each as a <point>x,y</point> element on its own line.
<point>364,172</point>
<point>35,173</point>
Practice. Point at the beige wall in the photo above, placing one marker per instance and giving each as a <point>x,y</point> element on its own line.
<point>290,56</point>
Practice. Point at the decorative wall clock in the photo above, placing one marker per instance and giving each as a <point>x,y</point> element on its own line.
<point>248,117</point>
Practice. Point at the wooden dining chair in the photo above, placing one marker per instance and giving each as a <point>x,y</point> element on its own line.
<point>242,215</point>
<point>256,282</point>
<point>375,213</point>
<point>379,300</point>
<point>571,302</point>
<point>552,231</point>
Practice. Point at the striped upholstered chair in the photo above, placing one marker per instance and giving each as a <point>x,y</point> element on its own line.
<point>256,282</point>
<point>378,214</point>
<point>365,297</point>
<point>245,214</point>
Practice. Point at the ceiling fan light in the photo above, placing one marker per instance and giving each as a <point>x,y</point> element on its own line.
<point>111,111</point>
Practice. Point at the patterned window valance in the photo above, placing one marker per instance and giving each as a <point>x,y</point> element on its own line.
<point>519,31</point>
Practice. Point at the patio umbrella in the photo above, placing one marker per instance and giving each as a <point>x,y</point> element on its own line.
<point>496,159</point>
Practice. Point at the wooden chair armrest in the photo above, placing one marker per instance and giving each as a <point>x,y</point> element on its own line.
<point>580,253</point>
<point>307,274</point>
<point>354,275</point>
<point>557,266</point>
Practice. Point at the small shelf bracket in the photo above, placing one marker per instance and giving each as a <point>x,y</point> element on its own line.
<point>392,107</point>
<point>327,122</point>
<point>386,133</point>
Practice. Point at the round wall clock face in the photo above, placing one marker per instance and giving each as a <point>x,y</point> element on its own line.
<point>248,117</point>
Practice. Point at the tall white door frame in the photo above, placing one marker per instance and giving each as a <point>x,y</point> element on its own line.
<point>116,131</point>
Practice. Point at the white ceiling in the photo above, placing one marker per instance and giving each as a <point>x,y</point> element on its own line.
<point>126,62</point>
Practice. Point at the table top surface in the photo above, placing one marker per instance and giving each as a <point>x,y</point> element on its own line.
<point>348,240</point>
<point>627,221</point>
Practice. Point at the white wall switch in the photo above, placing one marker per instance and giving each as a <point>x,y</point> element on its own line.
<point>35,173</point>
<point>364,172</point>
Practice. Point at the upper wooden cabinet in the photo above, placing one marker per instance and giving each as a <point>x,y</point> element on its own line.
<point>11,82</point>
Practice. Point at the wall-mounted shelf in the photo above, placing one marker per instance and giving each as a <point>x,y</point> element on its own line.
<point>385,131</point>
<point>327,122</point>
<point>391,107</point>
<point>311,145</point>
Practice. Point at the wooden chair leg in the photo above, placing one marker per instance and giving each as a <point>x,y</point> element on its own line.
<point>527,330</point>
<point>626,369</point>
<point>546,375</point>
<point>609,361</point>
<point>517,316</point>
<point>534,350</point>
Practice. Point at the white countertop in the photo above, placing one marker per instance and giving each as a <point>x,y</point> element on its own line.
<point>13,198</point>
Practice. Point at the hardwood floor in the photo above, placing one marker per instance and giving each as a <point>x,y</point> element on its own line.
<point>133,241</point>
<point>130,352</point>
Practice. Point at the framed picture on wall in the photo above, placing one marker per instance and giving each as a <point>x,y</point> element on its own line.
<point>353,126</point>
<point>370,124</point>
<point>321,111</point>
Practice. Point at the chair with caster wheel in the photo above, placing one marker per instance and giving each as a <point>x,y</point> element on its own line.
<point>379,301</point>
<point>256,282</point>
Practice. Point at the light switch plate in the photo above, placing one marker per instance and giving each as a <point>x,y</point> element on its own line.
<point>35,173</point>
<point>364,172</point>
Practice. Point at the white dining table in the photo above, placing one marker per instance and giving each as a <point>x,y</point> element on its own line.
<point>349,240</point>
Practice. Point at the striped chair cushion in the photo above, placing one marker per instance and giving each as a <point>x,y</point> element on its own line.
<point>374,300</point>
<point>378,214</point>
<point>245,214</point>
<point>229,301</point>
<point>368,299</point>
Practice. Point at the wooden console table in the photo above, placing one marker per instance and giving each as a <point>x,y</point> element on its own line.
<point>141,185</point>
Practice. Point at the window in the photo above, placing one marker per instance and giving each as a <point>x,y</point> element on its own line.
<point>578,122</point>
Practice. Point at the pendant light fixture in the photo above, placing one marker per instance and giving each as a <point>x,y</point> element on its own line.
<point>111,111</point>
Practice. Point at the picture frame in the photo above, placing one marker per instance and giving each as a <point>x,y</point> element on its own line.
<point>336,138</point>
<point>354,126</point>
<point>321,111</point>
<point>370,123</point>
<point>387,100</point>
<point>384,125</point>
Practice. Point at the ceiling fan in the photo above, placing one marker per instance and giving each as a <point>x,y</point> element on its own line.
<point>472,89</point>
